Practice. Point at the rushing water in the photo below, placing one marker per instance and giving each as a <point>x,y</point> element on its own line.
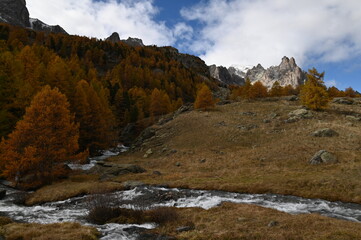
<point>75,209</point>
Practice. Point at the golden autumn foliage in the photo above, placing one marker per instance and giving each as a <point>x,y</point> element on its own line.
<point>159,103</point>
<point>95,117</point>
<point>46,138</point>
<point>257,90</point>
<point>204,99</point>
<point>314,94</point>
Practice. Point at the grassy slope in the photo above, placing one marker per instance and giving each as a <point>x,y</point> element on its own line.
<point>236,221</point>
<point>271,158</point>
<point>35,231</point>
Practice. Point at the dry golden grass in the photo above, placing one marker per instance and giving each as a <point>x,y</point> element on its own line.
<point>273,157</point>
<point>74,186</point>
<point>235,221</point>
<point>59,231</point>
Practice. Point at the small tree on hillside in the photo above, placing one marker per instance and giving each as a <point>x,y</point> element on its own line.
<point>314,93</point>
<point>257,90</point>
<point>276,90</point>
<point>42,142</point>
<point>204,99</point>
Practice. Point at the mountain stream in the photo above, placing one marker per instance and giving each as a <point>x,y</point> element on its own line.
<point>145,197</point>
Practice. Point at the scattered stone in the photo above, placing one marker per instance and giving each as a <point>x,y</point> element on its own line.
<point>301,113</point>
<point>173,151</point>
<point>252,114</point>
<point>132,184</point>
<point>178,164</point>
<point>323,156</point>
<point>185,228</point>
<point>292,120</point>
<point>273,224</point>
<point>325,132</point>
<point>114,169</point>
<point>165,119</point>
<point>266,121</point>
<point>148,153</point>
<point>202,160</point>
<point>223,124</point>
<point>241,219</point>
<point>353,118</point>
<point>157,173</point>
<point>247,127</point>
<point>2,194</point>
<point>291,98</point>
<point>346,101</point>
<point>273,115</point>
<point>224,102</point>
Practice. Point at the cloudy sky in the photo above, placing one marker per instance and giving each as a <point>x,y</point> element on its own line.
<point>325,34</point>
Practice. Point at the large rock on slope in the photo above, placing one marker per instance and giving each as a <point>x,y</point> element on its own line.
<point>14,12</point>
<point>287,73</point>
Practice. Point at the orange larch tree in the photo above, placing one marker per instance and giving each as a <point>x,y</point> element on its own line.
<point>204,99</point>
<point>47,138</point>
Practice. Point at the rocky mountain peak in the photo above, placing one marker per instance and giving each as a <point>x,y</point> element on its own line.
<point>14,12</point>
<point>134,42</point>
<point>287,73</point>
<point>114,38</point>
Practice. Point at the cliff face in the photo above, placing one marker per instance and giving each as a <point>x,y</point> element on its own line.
<point>287,73</point>
<point>14,12</point>
<point>228,76</point>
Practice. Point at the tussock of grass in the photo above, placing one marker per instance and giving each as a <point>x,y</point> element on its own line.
<point>59,231</point>
<point>75,186</point>
<point>235,221</point>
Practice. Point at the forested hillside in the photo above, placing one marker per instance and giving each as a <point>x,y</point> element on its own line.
<point>108,85</point>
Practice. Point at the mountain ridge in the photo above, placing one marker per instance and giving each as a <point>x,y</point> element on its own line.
<point>15,12</point>
<point>286,73</point>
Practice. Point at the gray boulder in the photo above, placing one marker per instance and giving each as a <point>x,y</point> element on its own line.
<point>301,113</point>
<point>325,132</point>
<point>323,156</point>
<point>132,184</point>
<point>341,100</point>
<point>353,118</point>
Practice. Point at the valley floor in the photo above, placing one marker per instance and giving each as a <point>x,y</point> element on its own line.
<point>253,147</point>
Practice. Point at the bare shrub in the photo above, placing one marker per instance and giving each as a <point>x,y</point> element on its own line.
<point>163,215</point>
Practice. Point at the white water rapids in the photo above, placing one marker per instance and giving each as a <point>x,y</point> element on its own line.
<point>75,209</point>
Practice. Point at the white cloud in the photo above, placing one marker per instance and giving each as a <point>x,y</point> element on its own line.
<point>263,31</point>
<point>134,18</point>
<point>331,83</point>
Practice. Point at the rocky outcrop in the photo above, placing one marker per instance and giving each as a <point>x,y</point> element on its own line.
<point>114,38</point>
<point>14,12</point>
<point>38,25</point>
<point>325,132</point>
<point>133,42</point>
<point>287,73</point>
<point>228,76</point>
